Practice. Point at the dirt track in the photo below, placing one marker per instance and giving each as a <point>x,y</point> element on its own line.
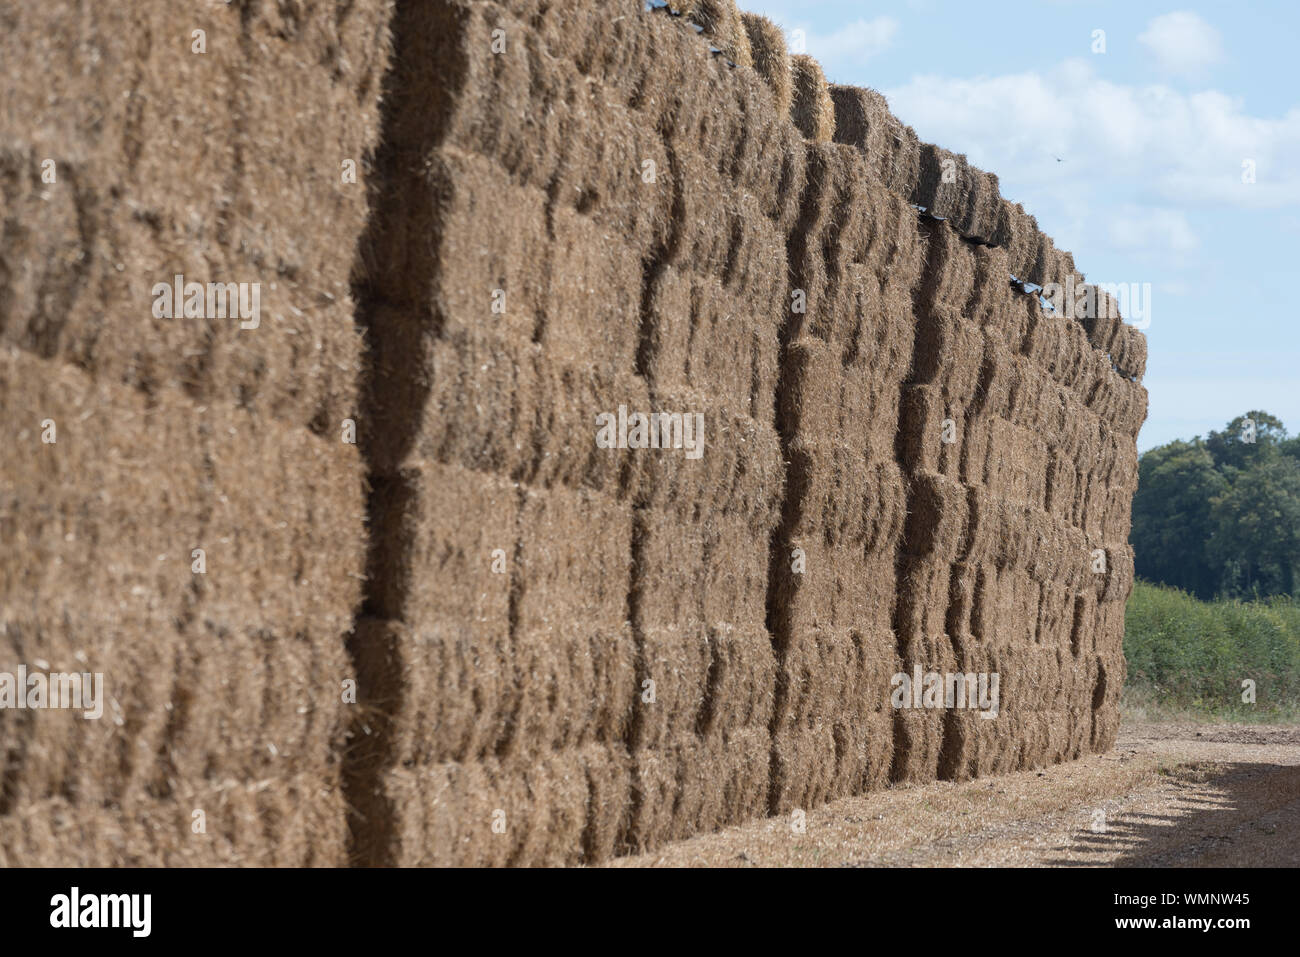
<point>1169,795</point>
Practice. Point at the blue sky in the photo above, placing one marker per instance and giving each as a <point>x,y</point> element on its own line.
<point>1153,133</point>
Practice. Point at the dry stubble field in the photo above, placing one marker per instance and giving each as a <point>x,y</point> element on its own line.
<point>1169,795</point>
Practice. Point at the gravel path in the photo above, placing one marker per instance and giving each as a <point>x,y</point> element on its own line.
<point>1169,795</point>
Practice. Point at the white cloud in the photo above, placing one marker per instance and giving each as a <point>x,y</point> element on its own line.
<point>853,43</point>
<point>1138,171</point>
<point>1151,228</point>
<point>1182,42</point>
<point>1181,149</point>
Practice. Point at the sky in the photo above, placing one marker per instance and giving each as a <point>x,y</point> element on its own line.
<point>1152,131</point>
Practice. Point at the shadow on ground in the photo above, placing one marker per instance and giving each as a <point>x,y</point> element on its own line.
<point>1234,814</point>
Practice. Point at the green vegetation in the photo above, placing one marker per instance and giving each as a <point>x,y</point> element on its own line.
<point>1190,657</point>
<point>1220,517</point>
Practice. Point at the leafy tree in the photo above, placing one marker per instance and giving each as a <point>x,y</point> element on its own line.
<point>1171,516</point>
<point>1290,447</point>
<point>1246,439</point>
<point>1256,529</point>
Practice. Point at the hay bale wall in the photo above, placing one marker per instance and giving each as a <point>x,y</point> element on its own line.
<point>562,651</point>
<point>224,689</point>
<point>644,269</point>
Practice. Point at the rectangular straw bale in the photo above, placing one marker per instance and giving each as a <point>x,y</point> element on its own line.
<point>510,105</point>
<point>1102,327</point>
<point>863,119</point>
<point>704,335</point>
<point>493,405</point>
<point>950,271</point>
<point>676,658</point>
<point>298,360</point>
<point>697,785</point>
<point>441,527</point>
<point>49,752</point>
<point>881,313</point>
<point>1017,464</point>
<point>771,58</point>
<point>1129,350</point>
<point>547,800</point>
<point>419,397</point>
<point>70,603</point>
<point>569,684</point>
<point>834,669</point>
<point>432,692</point>
<point>254,705</point>
<point>924,587</point>
<point>160,92</point>
<point>777,180</point>
<point>603,39</point>
<point>284,542</point>
<point>450,693</point>
<point>740,792</point>
<point>919,732</point>
<point>722,24</point>
<point>104,431</point>
<point>711,219</point>
<point>937,516</point>
<point>803,767</point>
<point>302,363</point>
<point>944,182</point>
<point>446,812</point>
<point>821,672</point>
<point>609,792</point>
<point>923,444</point>
<point>60,42</point>
<point>572,559</point>
<point>1017,233</point>
<point>949,349</point>
<point>592,299</point>
<point>49,275</point>
<point>311,85</point>
<point>846,497</point>
<point>812,109</point>
<point>1047,343</point>
<point>994,305</point>
<point>563,412</point>
<point>978,221</point>
<point>1046,260</point>
<point>277,822</point>
<point>450,226</point>
<point>831,759</point>
<point>100,316</point>
<point>858,403</point>
<point>727,118</point>
<point>838,586</point>
<point>617,168</point>
<point>705,569</point>
<point>738,472</point>
<point>1105,710</point>
<point>742,679</point>
<point>722,114</point>
<point>818,251</point>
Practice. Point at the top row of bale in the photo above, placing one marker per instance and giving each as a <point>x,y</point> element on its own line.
<point>939,181</point>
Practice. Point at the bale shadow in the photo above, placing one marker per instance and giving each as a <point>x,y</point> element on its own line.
<point>1223,814</point>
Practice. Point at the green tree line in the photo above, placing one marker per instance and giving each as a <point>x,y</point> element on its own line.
<point>1219,517</point>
